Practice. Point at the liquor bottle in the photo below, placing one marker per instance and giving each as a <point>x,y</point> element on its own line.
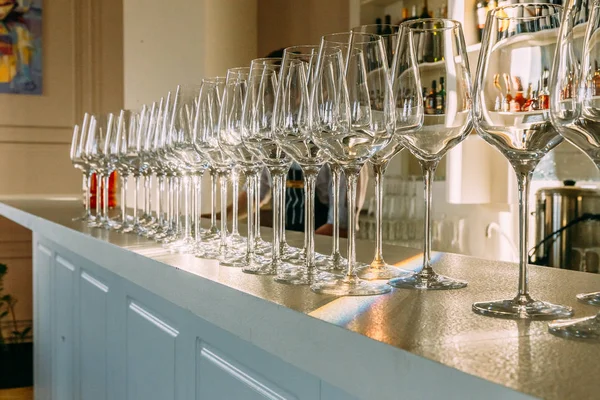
<point>424,97</point>
<point>378,23</point>
<point>112,191</point>
<point>404,16</point>
<point>544,95</point>
<point>431,99</point>
<point>534,102</point>
<point>518,101</point>
<point>441,98</point>
<point>480,13</point>
<point>425,11</point>
<point>387,30</point>
<point>492,4</point>
<point>528,98</point>
<point>596,80</point>
<point>508,97</point>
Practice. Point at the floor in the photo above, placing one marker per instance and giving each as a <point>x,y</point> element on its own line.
<point>17,394</point>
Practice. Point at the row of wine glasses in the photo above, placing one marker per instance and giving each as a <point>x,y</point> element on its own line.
<point>345,103</point>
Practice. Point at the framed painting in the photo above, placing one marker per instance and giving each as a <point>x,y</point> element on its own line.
<point>21,46</point>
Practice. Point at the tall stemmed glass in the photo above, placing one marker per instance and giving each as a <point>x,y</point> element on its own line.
<point>79,162</point>
<point>351,128</point>
<point>230,141</point>
<point>292,132</point>
<point>206,142</point>
<point>575,111</point>
<point>128,154</point>
<point>440,51</point>
<point>518,40</point>
<point>379,269</point>
<point>184,155</point>
<point>97,146</point>
<point>257,135</point>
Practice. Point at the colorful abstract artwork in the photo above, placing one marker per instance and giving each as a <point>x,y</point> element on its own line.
<point>21,46</point>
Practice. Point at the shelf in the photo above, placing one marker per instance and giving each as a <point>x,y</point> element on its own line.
<point>380,3</point>
<point>473,48</point>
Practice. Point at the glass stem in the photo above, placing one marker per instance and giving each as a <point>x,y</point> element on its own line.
<point>277,178</point>
<point>148,199</point>
<point>197,208</point>
<point>235,188</point>
<point>251,179</point>
<point>523,180</point>
<point>124,179</point>
<point>187,203</point>
<point>136,188</point>
<point>282,199</point>
<point>159,199</point>
<point>98,197</point>
<point>176,205</point>
<point>213,200</point>
<point>257,206</point>
<point>429,168</point>
<point>310,182</point>
<point>378,171</point>
<point>336,172</point>
<point>351,182</point>
<point>223,182</point>
<point>105,196</point>
<point>87,183</point>
<point>169,211</point>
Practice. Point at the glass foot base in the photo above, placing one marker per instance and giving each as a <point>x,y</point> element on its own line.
<point>427,281</point>
<point>587,328</point>
<point>590,298</point>
<point>380,270</point>
<point>527,309</point>
<point>350,286</point>
<point>270,268</point>
<point>297,276</point>
<point>333,262</point>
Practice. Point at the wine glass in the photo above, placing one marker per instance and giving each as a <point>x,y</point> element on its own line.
<point>79,162</point>
<point>575,110</point>
<point>291,131</point>
<point>127,155</point>
<point>257,135</point>
<point>351,127</point>
<point>439,49</point>
<point>518,40</point>
<point>379,269</point>
<point>231,126</point>
<point>97,142</point>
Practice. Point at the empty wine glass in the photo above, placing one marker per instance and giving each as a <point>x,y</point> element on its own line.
<point>519,40</point>
<point>230,140</point>
<point>128,155</point>
<point>574,108</point>
<point>291,131</point>
<point>439,49</point>
<point>257,135</point>
<point>97,145</point>
<point>351,128</point>
<point>79,162</point>
<point>379,269</point>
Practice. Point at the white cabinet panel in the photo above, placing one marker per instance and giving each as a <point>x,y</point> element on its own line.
<point>42,328</point>
<point>64,338</point>
<point>151,355</point>
<point>219,377</point>
<point>93,299</point>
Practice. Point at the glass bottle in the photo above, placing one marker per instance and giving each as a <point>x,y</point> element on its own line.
<point>430,100</point>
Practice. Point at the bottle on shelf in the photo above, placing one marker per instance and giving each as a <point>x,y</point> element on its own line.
<point>387,30</point>
<point>500,97</point>
<point>480,14</point>
<point>596,80</point>
<point>441,98</point>
<point>431,99</point>
<point>378,23</point>
<point>544,95</point>
<point>404,16</point>
<point>518,100</point>
<point>508,97</point>
<point>425,11</point>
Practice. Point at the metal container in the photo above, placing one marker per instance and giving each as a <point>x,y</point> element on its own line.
<point>578,246</point>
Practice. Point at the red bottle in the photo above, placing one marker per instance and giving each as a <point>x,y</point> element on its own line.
<point>112,190</point>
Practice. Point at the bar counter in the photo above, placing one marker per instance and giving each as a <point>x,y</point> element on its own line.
<point>118,317</point>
